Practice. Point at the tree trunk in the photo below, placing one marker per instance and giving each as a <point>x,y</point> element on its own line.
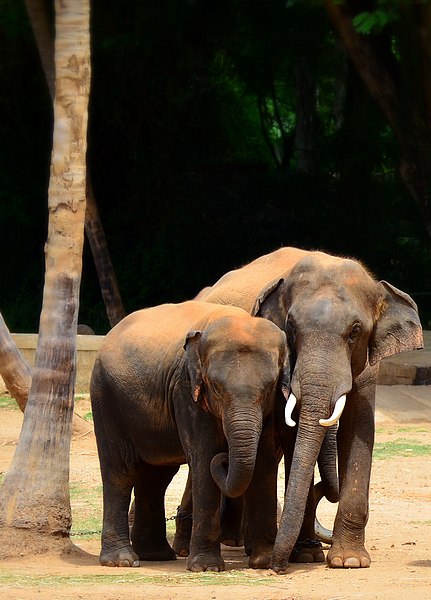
<point>401,95</point>
<point>35,510</point>
<point>102,260</point>
<point>36,10</point>
<point>17,374</point>
<point>14,370</point>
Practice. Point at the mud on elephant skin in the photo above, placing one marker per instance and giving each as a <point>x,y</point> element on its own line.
<point>192,382</point>
<point>340,322</point>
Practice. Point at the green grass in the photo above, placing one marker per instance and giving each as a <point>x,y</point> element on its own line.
<point>400,447</point>
<point>10,579</point>
<point>87,508</point>
<point>390,430</point>
<point>8,402</point>
<point>86,505</point>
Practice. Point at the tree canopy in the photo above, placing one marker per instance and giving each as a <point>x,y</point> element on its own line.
<point>218,132</point>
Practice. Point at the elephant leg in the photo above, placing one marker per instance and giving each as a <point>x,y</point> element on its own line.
<point>355,447</point>
<point>116,549</point>
<point>307,548</point>
<point>232,527</point>
<point>149,525</point>
<point>261,502</point>
<point>204,552</point>
<point>183,521</point>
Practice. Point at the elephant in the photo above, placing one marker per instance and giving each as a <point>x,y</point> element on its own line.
<point>340,322</point>
<point>190,382</point>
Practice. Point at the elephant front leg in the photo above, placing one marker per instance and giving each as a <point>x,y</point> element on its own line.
<point>355,446</point>
<point>204,552</point>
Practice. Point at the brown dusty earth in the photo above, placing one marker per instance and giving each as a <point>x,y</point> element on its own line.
<point>398,538</point>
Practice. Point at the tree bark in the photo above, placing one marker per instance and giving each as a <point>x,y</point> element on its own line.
<point>402,95</point>
<point>14,370</point>
<point>102,260</point>
<point>36,10</point>
<point>17,375</point>
<point>35,510</point>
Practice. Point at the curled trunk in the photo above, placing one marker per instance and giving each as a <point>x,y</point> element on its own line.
<point>233,472</point>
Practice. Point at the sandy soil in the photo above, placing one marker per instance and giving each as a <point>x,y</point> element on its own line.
<point>398,538</point>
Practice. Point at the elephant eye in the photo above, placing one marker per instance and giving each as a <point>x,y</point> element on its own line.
<point>355,331</point>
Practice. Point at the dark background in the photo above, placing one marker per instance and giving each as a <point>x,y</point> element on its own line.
<point>190,177</point>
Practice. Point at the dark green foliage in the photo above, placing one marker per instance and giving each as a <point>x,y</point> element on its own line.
<point>194,152</point>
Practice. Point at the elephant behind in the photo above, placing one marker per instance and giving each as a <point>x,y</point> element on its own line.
<point>193,382</point>
<point>340,322</point>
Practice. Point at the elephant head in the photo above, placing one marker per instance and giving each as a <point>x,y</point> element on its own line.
<point>338,320</point>
<point>234,366</point>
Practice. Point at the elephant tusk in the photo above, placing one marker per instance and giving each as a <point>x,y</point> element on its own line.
<point>290,405</point>
<point>338,409</point>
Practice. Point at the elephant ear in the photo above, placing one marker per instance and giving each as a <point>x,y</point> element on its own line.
<point>398,328</point>
<point>269,304</point>
<point>194,365</point>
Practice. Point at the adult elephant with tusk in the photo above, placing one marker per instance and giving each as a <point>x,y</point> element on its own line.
<point>340,322</point>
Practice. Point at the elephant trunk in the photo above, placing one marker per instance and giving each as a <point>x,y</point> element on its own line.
<point>232,472</point>
<point>307,447</point>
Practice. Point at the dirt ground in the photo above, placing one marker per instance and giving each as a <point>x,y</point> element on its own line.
<point>398,538</point>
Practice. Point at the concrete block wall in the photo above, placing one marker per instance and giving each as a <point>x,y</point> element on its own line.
<point>408,368</point>
<point>87,348</point>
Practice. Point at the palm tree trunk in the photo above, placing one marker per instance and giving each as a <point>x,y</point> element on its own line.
<point>17,375</point>
<point>36,10</point>
<point>34,498</point>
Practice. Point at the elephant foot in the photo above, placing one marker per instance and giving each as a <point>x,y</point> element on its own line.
<point>261,559</point>
<point>204,562</point>
<point>181,544</point>
<point>152,552</point>
<point>183,532</point>
<point>181,551</point>
<point>124,557</point>
<point>307,551</point>
<point>347,558</point>
<point>233,542</point>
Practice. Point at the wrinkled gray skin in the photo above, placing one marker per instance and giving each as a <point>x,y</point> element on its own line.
<point>340,322</point>
<point>196,383</point>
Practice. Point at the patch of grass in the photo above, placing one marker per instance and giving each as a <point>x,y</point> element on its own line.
<point>86,502</point>
<point>8,402</point>
<point>400,447</point>
<point>406,429</point>
<point>88,417</point>
<point>234,577</point>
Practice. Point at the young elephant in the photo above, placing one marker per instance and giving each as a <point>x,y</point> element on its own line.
<point>191,382</point>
